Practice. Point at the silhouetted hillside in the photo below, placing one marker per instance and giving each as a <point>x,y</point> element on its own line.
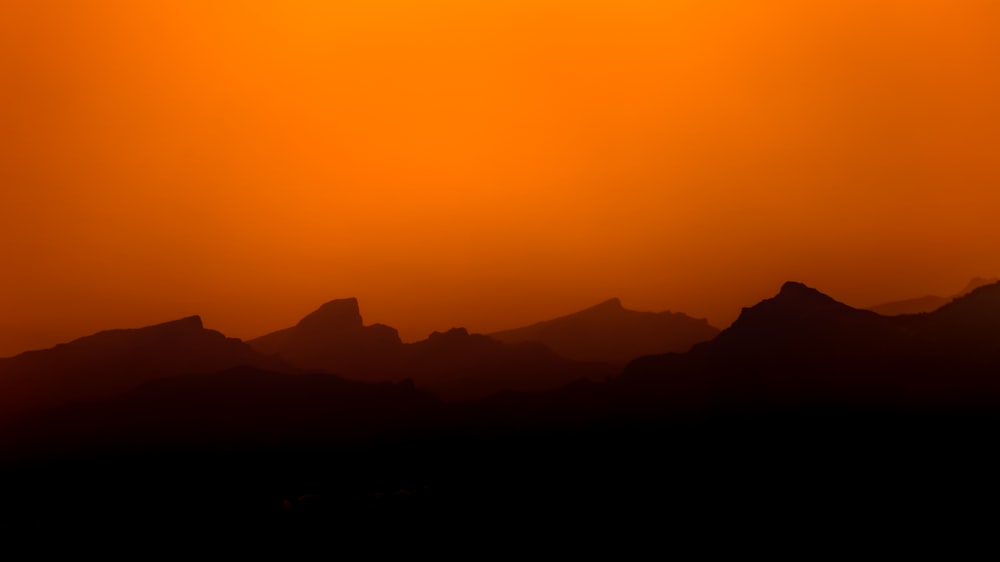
<point>805,406</point>
<point>802,348</point>
<point>113,361</point>
<point>611,333</point>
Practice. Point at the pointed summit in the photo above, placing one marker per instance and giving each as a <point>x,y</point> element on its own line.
<point>802,297</point>
<point>336,314</point>
<point>797,316</point>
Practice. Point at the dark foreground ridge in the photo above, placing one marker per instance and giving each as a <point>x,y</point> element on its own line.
<point>803,415</point>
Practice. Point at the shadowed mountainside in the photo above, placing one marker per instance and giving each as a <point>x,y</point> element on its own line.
<point>611,333</point>
<point>804,404</point>
<point>241,408</point>
<point>452,364</point>
<point>111,362</point>
<point>928,303</point>
<point>803,349</point>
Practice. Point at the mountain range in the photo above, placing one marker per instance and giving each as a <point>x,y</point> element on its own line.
<point>800,344</point>
<point>608,332</point>
<point>453,364</point>
<point>802,348</point>
<point>803,403</point>
<point>333,339</point>
<point>111,362</point>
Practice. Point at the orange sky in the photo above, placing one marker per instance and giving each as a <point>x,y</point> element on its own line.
<point>486,164</point>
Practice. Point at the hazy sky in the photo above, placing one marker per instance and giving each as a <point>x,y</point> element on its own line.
<point>486,164</point>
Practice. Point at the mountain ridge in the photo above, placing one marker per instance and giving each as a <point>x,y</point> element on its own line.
<point>454,364</point>
<point>111,361</point>
<point>611,333</point>
<point>802,346</point>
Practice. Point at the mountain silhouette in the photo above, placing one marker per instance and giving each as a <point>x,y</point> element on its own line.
<point>334,339</point>
<point>803,348</point>
<point>611,333</point>
<point>452,364</point>
<point>803,403</point>
<point>111,362</point>
<point>929,303</point>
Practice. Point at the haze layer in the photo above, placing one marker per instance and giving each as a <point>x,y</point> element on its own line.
<point>486,164</point>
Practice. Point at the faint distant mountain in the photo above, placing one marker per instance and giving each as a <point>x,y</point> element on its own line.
<point>113,361</point>
<point>911,306</point>
<point>929,302</point>
<point>803,347</point>
<point>453,364</point>
<point>609,332</point>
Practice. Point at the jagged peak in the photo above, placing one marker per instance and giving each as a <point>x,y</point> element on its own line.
<point>794,299</point>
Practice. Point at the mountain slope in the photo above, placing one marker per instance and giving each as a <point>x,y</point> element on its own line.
<point>609,332</point>
<point>111,362</point>
<point>802,347</point>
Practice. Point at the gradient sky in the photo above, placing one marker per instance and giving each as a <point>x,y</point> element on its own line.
<point>486,164</point>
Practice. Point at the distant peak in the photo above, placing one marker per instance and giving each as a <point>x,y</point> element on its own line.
<point>796,301</point>
<point>336,313</point>
<point>794,292</point>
